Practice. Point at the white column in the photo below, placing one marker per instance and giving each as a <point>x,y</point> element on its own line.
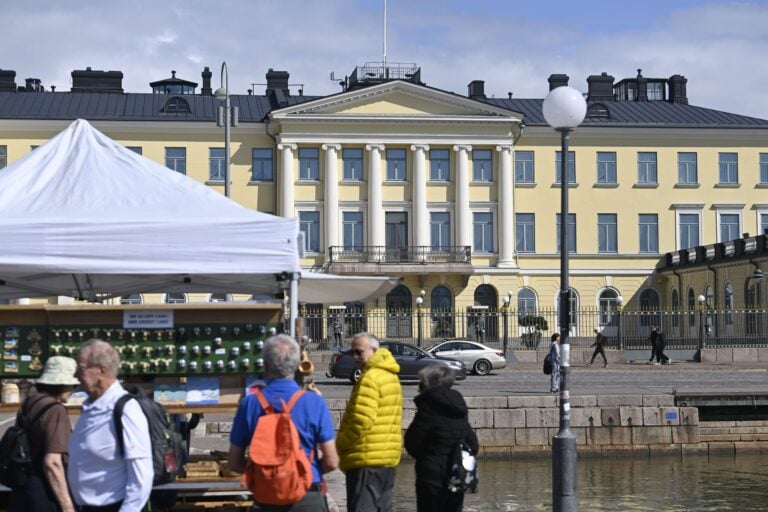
<point>331,196</point>
<point>375,210</point>
<point>286,180</point>
<point>506,208</point>
<point>419,184</point>
<point>463,215</point>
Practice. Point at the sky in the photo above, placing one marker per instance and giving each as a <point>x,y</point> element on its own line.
<point>721,47</point>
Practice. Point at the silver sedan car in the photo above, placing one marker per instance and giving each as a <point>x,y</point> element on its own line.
<point>476,356</point>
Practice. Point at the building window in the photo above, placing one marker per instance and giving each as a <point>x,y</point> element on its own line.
<point>439,165</point>
<point>352,230</point>
<point>396,165</point>
<point>309,226</point>
<point>526,302</point>
<point>607,232</point>
<point>482,165</point>
<point>729,227</point>
<point>309,164</point>
<point>764,224</point>
<point>728,303</point>
<point>353,164</point>
<point>608,305</point>
<point>606,167</point>
<point>729,168</point>
<point>176,105</point>
<point>524,168</point>
<point>570,164</point>
<point>649,232</point>
<point>442,313</point>
<point>655,91</point>
<point>216,164</point>
<point>687,169</point>
<point>763,167</point>
<point>483,227</point>
<point>525,232</point>
<point>135,149</point>
<point>571,232</point>
<point>649,307</point>
<point>573,309</point>
<point>261,159</point>
<point>3,156</point>
<point>646,168</point>
<point>133,298</point>
<point>440,230</point>
<point>689,230</point>
<point>176,159</point>
<point>175,298</point>
<point>675,307</point>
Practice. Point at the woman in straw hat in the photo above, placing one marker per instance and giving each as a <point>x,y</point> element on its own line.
<point>49,431</point>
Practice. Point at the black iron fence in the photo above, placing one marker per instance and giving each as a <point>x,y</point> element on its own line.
<point>625,329</point>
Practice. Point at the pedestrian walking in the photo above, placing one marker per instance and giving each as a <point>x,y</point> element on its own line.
<point>599,344</point>
<point>100,477</point>
<point>655,341</point>
<point>554,352</point>
<point>441,421</point>
<point>309,413</point>
<point>337,330</point>
<point>661,357</point>
<point>370,435</point>
<point>46,487</point>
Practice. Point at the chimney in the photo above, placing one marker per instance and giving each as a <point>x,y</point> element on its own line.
<point>277,88</point>
<point>677,89</point>
<point>600,87</point>
<point>476,90</point>
<point>557,80</point>
<point>642,86</point>
<point>33,85</point>
<point>88,80</point>
<point>206,90</point>
<point>7,80</point>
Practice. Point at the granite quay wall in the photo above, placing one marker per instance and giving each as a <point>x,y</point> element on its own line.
<point>604,425</point>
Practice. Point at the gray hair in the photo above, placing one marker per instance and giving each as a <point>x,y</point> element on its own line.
<point>373,341</point>
<point>101,353</point>
<point>435,376</point>
<point>281,356</point>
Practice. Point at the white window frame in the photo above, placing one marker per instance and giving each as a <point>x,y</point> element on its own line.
<point>494,231</point>
<point>341,226</point>
<point>686,210</point>
<point>452,227</point>
<point>739,231</point>
<point>320,234</point>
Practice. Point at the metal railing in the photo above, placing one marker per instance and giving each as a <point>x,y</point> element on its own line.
<point>399,255</point>
<point>625,329</point>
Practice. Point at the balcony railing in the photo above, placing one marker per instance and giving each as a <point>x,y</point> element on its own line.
<point>400,255</point>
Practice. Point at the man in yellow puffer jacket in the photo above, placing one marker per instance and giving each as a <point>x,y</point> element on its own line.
<point>370,440</point>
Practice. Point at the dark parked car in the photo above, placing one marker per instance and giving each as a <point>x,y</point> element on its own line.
<point>410,358</point>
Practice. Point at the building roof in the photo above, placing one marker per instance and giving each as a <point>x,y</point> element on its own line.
<point>253,109</point>
<point>659,114</point>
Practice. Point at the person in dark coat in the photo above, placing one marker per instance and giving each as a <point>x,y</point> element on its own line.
<point>440,422</point>
<point>656,349</point>
<point>599,344</point>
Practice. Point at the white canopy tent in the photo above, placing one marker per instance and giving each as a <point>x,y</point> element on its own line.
<point>83,216</point>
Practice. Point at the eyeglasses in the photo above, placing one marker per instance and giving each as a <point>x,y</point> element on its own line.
<point>358,351</point>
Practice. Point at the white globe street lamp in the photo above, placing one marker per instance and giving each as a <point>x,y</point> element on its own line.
<point>564,108</point>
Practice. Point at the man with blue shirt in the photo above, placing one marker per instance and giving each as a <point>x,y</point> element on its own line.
<point>100,478</point>
<point>310,414</point>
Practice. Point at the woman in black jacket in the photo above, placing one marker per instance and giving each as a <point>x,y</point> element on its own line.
<point>440,423</point>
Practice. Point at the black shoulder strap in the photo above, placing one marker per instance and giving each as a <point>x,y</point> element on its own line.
<point>21,418</point>
<point>118,417</point>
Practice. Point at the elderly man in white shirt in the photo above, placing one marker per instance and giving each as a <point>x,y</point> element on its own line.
<point>100,478</point>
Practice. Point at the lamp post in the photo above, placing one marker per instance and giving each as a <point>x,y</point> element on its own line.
<point>564,108</point>
<point>226,116</point>
<point>619,333</point>
<point>507,299</point>
<point>419,303</point>
<point>702,304</point>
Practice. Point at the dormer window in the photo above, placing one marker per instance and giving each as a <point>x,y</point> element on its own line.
<point>598,111</point>
<point>176,105</point>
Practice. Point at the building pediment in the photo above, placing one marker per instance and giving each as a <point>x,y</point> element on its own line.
<point>397,100</point>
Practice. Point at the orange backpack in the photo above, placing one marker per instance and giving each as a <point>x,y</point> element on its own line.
<point>277,470</point>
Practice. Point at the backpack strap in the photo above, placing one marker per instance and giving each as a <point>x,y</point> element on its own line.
<point>24,423</point>
<point>295,398</point>
<point>117,414</point>
<point>256,390</point>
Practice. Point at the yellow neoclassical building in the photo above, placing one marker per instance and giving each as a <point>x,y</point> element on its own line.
<point>457,194</point>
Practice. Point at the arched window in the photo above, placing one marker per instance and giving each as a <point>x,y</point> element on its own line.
<point>573,309</point>
<point>675,308</point>
<point>526,302</point>
<point>482,319</point>
<point>175,298</point>
<point>442,313</point>
<point>485,295</point>
<point>355,319</point>
<point>649,307</point>
<point>176,105</point>
<point>399,307</point>
<point>691,308</point>
<point>608,304</point>
<point>399,299</point>
<point>133,298</point>
<point>728,303</point>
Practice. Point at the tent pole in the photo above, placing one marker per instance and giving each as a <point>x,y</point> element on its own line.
<point>294,302</point>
